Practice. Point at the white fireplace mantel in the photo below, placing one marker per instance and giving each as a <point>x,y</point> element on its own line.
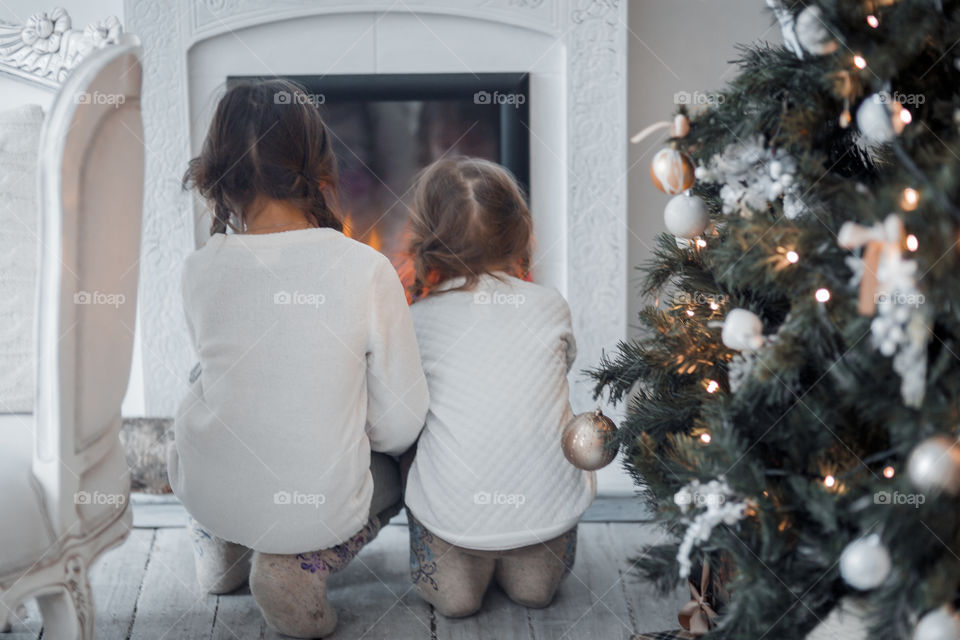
<point>575,51</point>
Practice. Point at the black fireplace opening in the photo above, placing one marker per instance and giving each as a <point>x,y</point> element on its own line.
<point>386,127</point>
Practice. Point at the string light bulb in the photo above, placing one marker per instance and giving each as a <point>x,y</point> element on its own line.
<point>905,116</point>
<point>712,386</point>
<point>690,312</point>
<point>701,243</point>
<point>793,257</point>
<point>873,21</point>
<point>705,438</point>
<point>822,295</point>
<point>714,306</point>
<point>830,482</point>
<point>909,199</point>
<point>859,62</point>
<point>912,243</point>
<point>888,472</point>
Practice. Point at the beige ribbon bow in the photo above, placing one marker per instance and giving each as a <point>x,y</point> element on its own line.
<point>880,239</point>
<point>697,615</point>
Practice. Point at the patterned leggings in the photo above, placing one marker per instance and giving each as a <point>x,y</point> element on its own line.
<point>454,579</point>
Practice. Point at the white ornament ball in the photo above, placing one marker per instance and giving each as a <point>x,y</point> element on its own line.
<point>812,33</point>
<point>686,216</point>
<point>934,465</point>
<point>939,624</point>
<point>878,118</point>
<point>865,563</point>
<point>742,330</point>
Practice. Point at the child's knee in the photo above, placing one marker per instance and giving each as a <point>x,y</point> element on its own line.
<point>531,584</point>
<point>531,594</point>
<point>454,604</point>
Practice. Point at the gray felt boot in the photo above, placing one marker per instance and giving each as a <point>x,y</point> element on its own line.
<point>221,566</point>
<point>291,590</point>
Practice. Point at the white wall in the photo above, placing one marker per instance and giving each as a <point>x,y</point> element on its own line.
<point>675,45</point>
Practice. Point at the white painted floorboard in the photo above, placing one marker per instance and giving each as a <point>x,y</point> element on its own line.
<point>145,590</point>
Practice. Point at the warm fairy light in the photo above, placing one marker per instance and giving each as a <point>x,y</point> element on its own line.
<point>888,472</point>
<point>690,312</point>
<point>792,257</point>
<point>712,386</point>
<point>909,199</point>
<point>714,306</point>
<point>830,482</point>
<point>872,21</point>
<point>912,243</point>
<point>822,295</point>
<point>859,62</point>
<point>905,116</point>
<point>705,438</point>
<point>701,243</point>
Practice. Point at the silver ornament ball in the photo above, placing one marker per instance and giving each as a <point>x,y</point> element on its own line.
<point>934,465</point>
<point>940,624</point>
<point>865,563</point>
<point>587,441</point>
<point>686,216</point>
<point>742,330</point>
<point>812,33</point>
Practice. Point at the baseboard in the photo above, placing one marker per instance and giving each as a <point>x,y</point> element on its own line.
<point>165,511</point>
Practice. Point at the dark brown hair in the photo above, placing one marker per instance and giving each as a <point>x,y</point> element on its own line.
<point>266,139</point>
<point>469,218</point>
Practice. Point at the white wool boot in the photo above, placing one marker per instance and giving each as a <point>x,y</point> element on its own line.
<point>291,590</point>
<point>221,566</point>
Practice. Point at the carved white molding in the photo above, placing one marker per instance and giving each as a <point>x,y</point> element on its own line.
<point>594,33</point>
<point>597,152</point>
<point>47,47</point>
<point>212,17</point>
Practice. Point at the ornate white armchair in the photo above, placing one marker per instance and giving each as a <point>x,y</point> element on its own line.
<point>64,483</point>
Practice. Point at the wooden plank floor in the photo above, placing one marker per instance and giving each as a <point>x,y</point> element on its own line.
<point>145,589</point>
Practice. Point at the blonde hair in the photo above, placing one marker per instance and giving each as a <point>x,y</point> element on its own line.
<point>469,218</point>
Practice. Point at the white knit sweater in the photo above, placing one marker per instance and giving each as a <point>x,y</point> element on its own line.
<point>489,471</point>
<point>309,360</point>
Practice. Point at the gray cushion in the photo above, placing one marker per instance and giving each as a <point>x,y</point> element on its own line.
<point>25,533</point>
<point>19,147</point>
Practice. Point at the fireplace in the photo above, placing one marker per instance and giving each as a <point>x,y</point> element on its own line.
<point>386,127</point>
<point>570,53</point>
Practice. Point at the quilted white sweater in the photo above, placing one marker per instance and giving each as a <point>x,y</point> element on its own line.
<point>309,361</point>
<point>489,471</point>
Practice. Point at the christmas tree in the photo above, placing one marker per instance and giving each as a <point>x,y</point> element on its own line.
<point>793,398</point>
